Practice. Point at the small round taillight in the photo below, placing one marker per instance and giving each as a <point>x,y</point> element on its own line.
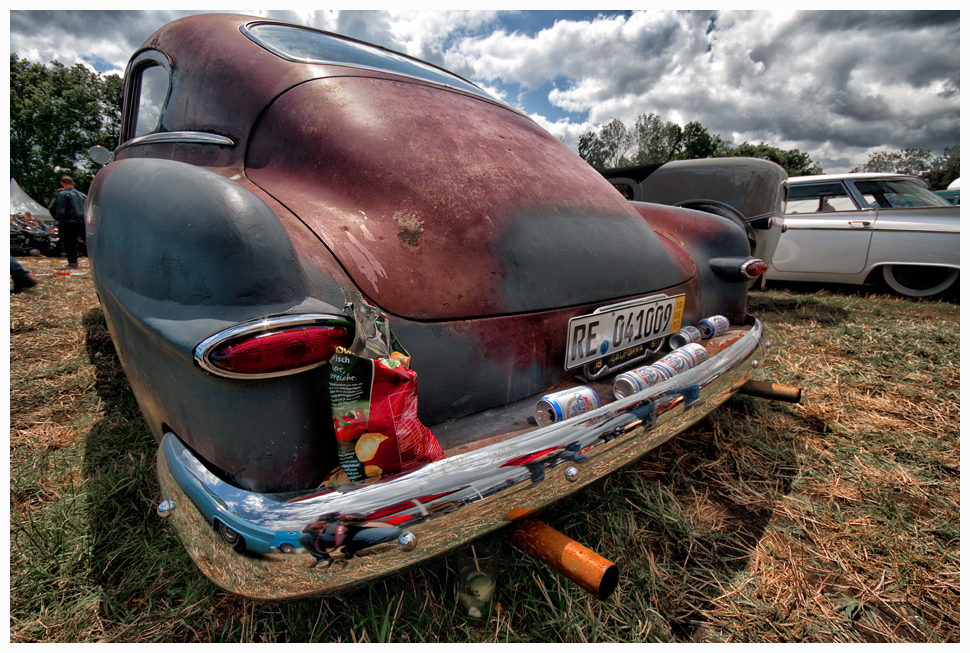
<point>754,268</point>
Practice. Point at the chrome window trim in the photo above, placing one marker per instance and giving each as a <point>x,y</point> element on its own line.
<point>132,83</point>
<point>199,138</point>
<point>283,55</point>
<point>262,325</point>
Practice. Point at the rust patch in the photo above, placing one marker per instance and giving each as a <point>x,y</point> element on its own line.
<point>411,229</point>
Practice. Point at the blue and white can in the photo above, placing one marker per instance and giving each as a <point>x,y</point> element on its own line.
<point>697,353</point>
<point>562,405</point>
<point>711,327</point>
<point>636,380</point>
<point>685,336</point>
<point>676,360</point>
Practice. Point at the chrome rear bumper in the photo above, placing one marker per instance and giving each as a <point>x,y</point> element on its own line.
<point>439,507</point>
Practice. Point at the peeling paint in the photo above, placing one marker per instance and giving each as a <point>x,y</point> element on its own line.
<point>365,261</point>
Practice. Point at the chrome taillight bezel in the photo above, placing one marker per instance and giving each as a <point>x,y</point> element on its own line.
<point>751,262</point>
<point>268,324</point>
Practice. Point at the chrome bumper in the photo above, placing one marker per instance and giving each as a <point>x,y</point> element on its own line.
<point>441,506</point>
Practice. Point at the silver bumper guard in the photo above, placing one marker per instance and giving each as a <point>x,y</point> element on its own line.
<point>255,545</point>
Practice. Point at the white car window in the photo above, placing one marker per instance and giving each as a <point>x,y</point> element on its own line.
<point>819,198</point>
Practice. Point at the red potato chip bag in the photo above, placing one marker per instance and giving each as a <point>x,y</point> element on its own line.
<point>374,402</point>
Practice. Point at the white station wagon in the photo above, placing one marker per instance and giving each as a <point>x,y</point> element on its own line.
<point>862,227</point>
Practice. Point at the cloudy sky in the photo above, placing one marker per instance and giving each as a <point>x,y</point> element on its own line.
<point>835,84</point>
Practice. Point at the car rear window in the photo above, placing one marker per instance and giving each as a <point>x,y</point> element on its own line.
<point>819,198</point>
<point>310,46</point>
<point>896,194</point>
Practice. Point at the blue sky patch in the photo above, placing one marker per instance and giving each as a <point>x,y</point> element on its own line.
<point>531,23</point>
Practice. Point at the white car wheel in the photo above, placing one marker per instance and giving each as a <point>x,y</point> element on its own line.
<point>919,280</point>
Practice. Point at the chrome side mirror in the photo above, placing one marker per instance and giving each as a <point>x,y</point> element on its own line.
<point>100,154</point>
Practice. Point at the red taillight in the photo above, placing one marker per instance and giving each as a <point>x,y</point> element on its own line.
<point>754,268</point>
<point>279,351</point>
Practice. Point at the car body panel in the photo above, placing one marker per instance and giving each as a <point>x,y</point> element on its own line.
<point>460,213</point>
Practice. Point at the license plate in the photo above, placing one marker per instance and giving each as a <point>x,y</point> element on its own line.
<point>612,329</point>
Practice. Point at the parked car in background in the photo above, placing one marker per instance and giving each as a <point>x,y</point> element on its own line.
<point>751,192</point>
<point>267,172</point>
<point>863,227</point>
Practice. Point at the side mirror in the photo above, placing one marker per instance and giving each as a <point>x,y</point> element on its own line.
<point>99,154</point>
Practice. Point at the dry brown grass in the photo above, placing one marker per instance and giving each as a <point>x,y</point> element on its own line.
<point>833,520</point>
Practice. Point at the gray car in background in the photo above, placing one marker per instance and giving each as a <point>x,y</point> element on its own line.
<point>749,191</point>
<point>864,227</point>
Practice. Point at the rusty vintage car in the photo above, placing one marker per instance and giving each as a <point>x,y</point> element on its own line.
<point>264,171</point>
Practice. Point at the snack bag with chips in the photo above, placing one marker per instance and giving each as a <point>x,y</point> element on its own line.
<point>374,402</point>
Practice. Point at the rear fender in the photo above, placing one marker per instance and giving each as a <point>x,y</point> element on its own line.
<point>173,268</point>
<point>704,236</point>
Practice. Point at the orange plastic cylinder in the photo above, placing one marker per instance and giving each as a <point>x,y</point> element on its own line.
<point>586,568</point>
<point>768,390</point>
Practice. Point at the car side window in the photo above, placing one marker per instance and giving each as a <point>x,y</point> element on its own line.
<point>150,93</point>
<point>819,198</point>
<point>625,189</point>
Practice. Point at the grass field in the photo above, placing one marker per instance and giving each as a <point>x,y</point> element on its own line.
<point>833,520</point>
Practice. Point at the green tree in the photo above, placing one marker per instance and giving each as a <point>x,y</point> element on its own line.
<point>698,143</point>
<point>656,140</point>
<point>795,162</point>
<point>946,169</point>
<point>56,114</point>
<point>592,150</point>
<point>617,141</point>
<point>910,161</point>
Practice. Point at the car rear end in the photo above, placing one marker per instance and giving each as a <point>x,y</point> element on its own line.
<point>508,268</point>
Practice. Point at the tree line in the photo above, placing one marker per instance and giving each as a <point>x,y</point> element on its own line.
<point>939,172</point>
<point>56,114</point>
<point>655,140</point>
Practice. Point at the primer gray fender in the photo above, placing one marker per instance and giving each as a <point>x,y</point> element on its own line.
<point>178,253</point>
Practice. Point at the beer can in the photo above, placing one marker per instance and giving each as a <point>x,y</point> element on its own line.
<point>716,325</point>
<point>697,353</point>
<point>677,360</point>
<point>636,380</point>
<point>565,404</point>
<point>685,336</point>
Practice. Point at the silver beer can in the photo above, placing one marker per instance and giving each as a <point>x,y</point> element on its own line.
<point>677,360</point>
<point>565,404</point>
<point>697,353</point>
<point>685,336</point>
<point>716,325</point>
<point>636,380</point>
<point>666,368</point>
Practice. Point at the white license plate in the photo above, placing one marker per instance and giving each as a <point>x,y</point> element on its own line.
<point>614,328</point>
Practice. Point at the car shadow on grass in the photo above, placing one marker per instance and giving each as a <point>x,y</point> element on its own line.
<point>134,560</point>
<point>685,522</point>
